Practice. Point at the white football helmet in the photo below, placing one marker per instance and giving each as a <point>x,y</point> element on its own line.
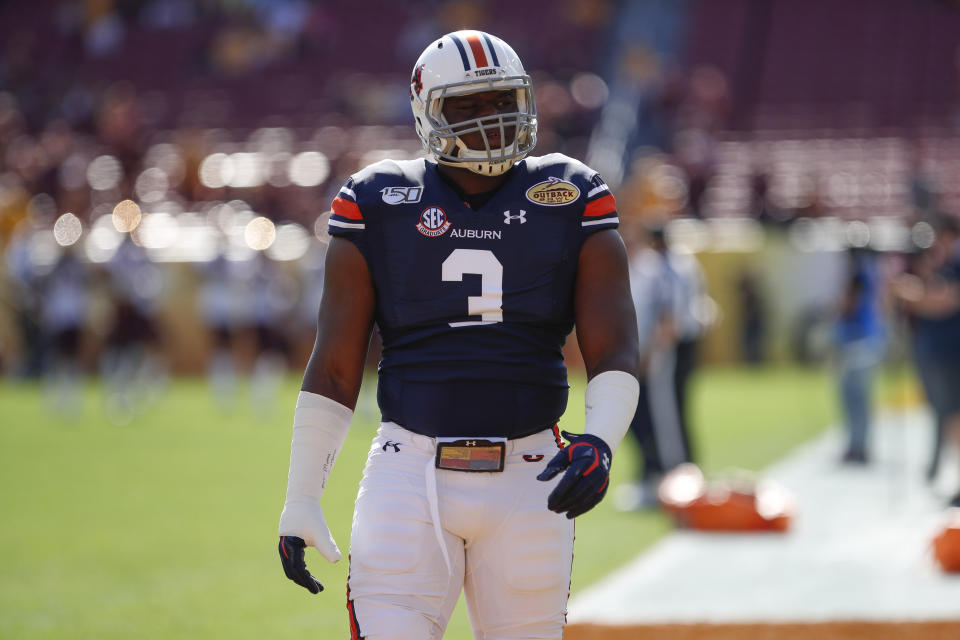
<point>467,62</point>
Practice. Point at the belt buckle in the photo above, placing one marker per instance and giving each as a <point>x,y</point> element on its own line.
<point>471,454</point>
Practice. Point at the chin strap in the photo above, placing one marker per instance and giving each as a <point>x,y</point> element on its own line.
<point>477,165</point>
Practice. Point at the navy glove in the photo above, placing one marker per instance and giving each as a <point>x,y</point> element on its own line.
<point>587,463</point>
<point>291,556</point>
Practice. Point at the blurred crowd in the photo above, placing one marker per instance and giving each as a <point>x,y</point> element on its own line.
<point>163,189</point>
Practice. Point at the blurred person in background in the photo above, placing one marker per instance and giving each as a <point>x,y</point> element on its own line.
<point>218,308</point>
<point>859,342</point>
<point>64,311</point>
<point>661,444</point>
<point>274,296</point>
<point>23,290</point>
<point>930,295</point>
<point>132,361</point>
<point>311,267</point>
<point>475,263</point>
<point>753,318</point>
<point>693,314</point>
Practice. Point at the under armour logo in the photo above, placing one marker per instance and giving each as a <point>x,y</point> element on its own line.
<point>522,217</point>
<point>395,445</point>
<point>471,443</point>
<point>605,461</point>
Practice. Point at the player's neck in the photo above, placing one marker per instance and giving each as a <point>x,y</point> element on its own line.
<point>470,182</point>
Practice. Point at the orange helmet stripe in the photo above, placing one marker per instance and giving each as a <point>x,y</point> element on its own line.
<point>478,55</point>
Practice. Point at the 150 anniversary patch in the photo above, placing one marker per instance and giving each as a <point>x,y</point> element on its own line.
<point>553,192</point>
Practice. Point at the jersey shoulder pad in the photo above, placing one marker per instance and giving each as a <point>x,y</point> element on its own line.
<point>387,181</point>
<point>599,206</point>
<point>561,166</point>
<point>372,179</point>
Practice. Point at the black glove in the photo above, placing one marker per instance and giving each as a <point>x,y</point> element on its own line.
<point>291,556</point>
<point>587,463</point>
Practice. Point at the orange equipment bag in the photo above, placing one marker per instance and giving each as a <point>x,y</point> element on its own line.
<point>726,505</point>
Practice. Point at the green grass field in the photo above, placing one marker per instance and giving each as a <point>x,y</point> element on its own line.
<point>166,527</point>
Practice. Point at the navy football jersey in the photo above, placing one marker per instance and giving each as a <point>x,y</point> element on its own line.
<point>473,306</point>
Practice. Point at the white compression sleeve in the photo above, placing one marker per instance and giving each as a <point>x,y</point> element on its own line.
<point>320,426</point>
<point>611,400</point>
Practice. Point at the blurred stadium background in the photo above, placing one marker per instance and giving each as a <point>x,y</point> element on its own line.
<point>171,144</point>
<point>166,167</point>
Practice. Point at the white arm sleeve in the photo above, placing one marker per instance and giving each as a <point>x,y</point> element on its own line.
<point>320,426</point>
<point>611,400</point>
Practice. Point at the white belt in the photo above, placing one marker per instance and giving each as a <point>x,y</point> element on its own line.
<point>433,501</point>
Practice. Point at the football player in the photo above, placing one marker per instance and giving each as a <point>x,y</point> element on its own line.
<point>474,263</point>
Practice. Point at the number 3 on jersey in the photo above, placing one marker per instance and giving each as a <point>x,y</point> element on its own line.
<point>489,304</point>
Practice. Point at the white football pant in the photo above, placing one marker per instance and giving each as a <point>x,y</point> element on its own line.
<point>501,545</point>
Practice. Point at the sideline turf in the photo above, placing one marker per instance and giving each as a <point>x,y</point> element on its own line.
<point>165,527</point>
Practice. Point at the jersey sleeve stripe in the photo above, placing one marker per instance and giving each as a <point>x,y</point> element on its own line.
<point>599,207</point>
<point>346,209</point>
<point>348,191</point>
<point>346,225</point>
<point>597,190</point>
<point>615,220</point>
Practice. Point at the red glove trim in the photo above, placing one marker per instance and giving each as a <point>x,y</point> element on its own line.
<point>596,455</point>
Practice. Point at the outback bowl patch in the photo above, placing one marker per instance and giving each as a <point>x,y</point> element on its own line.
<point>553,192</point>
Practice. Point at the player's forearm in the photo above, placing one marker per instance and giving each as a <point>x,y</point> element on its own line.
<point>626,359</point>
<point>608,337</point>
<point>612,344</point>
<point>336,373</point>
<point>341,386</point>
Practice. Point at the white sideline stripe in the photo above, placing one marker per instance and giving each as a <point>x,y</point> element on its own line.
<point>348,225</point>
<point>589,223</point>
<point>349,192</point>
<point>859,547</point>
<point>597,190</point>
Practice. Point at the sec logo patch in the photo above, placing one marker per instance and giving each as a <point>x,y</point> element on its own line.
<point>553,192</point>
<point>433,222</point>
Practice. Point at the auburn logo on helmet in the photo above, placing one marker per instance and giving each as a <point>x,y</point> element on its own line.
<point>416,82</point>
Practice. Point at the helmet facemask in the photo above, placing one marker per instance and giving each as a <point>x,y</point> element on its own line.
<point>517,130</point>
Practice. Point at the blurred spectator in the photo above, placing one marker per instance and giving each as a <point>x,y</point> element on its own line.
<point>655,189</point>
<point>273,296</point>
<point>707,105</point>
<point>65,306</point>
<point>760,206</point>
<point>694,312</point>
<point>25,357</point>
<point>859,340</point>
<point>311,290</point>
<point>930,294</point>
<point>132,361</point>
<point>924,190</point>
<point>753,319</point>
<point>217,304</point>
<point>695,151</point>
<point>652,297</point>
